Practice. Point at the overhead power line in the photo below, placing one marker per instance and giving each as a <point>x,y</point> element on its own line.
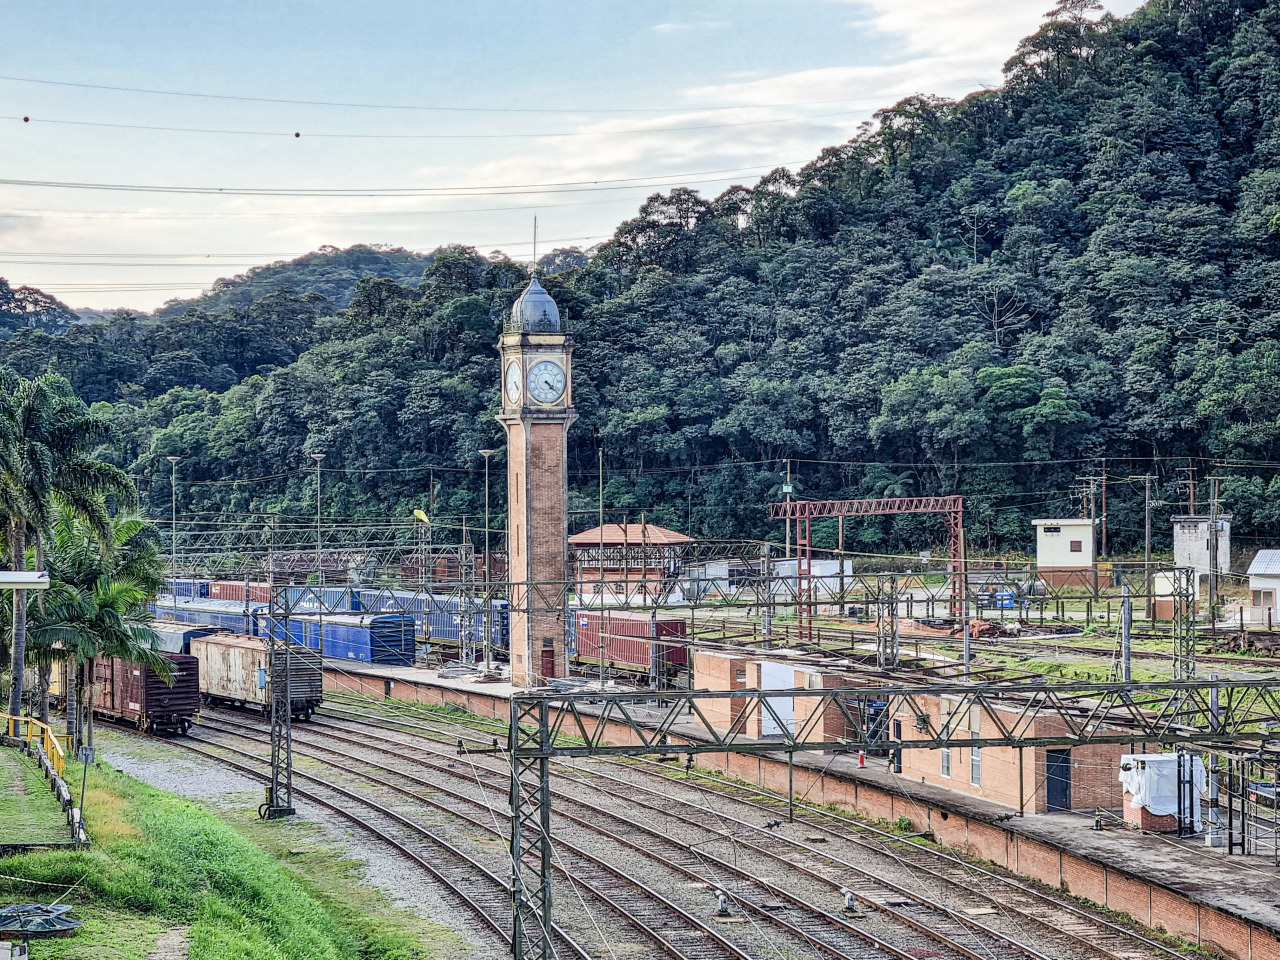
<point>434,108</point>
<point>299,134</point>
<point>568,186</point>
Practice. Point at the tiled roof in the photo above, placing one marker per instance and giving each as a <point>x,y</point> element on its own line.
<point>636,534</point>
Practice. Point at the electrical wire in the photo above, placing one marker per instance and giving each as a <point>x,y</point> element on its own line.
<point>510,189</point>
<point>435,108</point>
<point>298,134</point>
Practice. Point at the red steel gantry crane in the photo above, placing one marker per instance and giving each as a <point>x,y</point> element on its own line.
<point>803,512</point>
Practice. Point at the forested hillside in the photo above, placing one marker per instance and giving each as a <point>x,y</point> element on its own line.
<point>986,297</point>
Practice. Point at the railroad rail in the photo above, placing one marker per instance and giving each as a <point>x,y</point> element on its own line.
<point>850,635</point>
<point>487,908</point>
<point>1087,929</point>
<point>833,935</point>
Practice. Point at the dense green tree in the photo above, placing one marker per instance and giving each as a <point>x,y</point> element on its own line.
<point>983,297</point>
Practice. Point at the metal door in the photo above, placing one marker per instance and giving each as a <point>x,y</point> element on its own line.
<point>777,676</point>
<point>1058,779</point>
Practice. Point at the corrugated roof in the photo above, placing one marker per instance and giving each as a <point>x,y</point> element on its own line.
<point>633,534</point>
<point>1265,564</point>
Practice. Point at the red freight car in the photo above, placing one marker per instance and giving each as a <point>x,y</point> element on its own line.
<point>632,641</point>
<point>231,590</point>
<point>130,691</point>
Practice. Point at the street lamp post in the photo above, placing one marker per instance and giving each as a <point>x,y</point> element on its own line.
<point>173,530</point>
<point>318,457</point>
<point>487,559</point>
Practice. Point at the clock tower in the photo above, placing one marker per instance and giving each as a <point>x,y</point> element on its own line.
<point>537,408</point>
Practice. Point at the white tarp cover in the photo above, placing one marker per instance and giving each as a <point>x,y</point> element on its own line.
<point>1152,781</point>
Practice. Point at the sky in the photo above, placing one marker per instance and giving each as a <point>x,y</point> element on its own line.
<point>417,123</point>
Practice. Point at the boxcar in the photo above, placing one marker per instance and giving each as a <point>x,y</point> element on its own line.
<point>631,641</point>
<point>227,614</point>
<point>131,691</point>
<point>441,617</point>
<point>176,637</point>
<point>190,589</point>
<point>372,638</point>
<point>236,670</point>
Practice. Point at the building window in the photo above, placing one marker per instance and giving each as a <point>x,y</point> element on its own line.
<point>975,766</point>
<point>946,761</point>
<point>814,681</point>
<point>740,676</point>
<point>1077,546</point>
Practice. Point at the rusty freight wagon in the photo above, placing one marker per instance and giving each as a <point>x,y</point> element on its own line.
<point>133,692</point>
<point>635,643</point>
<point>234,671</point>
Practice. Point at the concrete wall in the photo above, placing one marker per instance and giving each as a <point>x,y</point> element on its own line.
<point>1191,543</point>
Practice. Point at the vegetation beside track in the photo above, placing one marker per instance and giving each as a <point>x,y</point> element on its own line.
<point>242,889</point>
<point>29,812</point>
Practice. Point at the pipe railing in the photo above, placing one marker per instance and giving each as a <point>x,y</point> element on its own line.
<point>32,731</point>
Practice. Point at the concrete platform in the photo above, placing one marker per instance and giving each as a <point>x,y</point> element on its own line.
<point>1199,893</point>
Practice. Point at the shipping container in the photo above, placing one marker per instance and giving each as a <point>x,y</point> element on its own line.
<point>131,691</point>
<point>372,638</point>
<point>235,670</point>
<point>233,590</point>
<point>630,640</point>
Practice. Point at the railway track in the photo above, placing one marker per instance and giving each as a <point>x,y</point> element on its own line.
<point>760,901</point>
<point>850,636</point>
<point>1084,928</point>
<point>490,904</point>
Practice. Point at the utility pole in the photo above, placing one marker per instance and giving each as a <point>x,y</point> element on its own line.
<point>1191,489</point>
<point>1104,506</point>
<point>1126,627</point>
<point>1213,553</point>
<point>786,489</point>
<point>488,558</point>
<point>173,529</point>
<point>600,556</point>
<point>1148,578</point>
<point>317,457</point>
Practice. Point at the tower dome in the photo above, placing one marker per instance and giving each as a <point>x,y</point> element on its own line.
<point>534,311</point>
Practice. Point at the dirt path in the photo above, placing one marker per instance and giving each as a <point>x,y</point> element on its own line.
<point>171,945</point>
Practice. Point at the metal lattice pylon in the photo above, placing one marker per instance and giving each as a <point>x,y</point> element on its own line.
<point>887,644</point>
<point>1184,623</point>
<point>530,830</point>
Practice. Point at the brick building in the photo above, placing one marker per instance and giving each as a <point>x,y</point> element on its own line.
<point>625,562</point>
<point>1033,779</point>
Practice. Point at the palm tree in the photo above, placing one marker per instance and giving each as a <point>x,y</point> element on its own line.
<point>97,601</point>
<point>47,439</point>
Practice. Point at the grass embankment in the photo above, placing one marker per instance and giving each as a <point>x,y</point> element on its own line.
<point>241,888</point>
<point>29,812</point>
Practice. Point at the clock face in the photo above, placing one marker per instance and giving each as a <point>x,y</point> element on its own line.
<point>513,383</point>
<point>546,381</point>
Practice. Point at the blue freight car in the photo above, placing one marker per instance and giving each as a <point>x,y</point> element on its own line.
<point>372,638</point>
<point>322,599</point>
<point>190,589</point>
<point>444,617</point>
<point>227,614</point>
